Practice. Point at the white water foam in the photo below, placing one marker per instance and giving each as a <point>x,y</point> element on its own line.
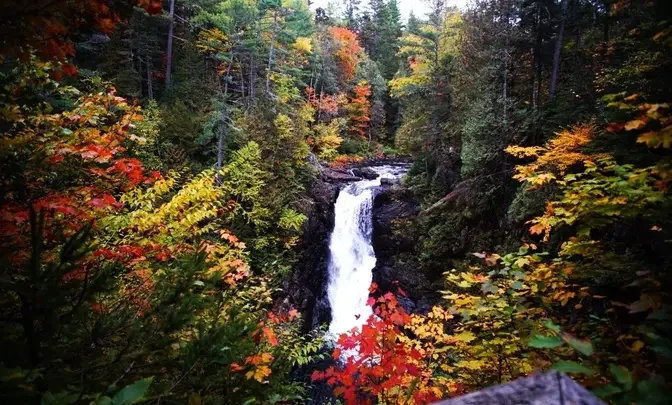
<point>351,255</point>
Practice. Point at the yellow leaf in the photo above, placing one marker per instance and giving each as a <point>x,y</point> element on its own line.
<point>303,44</point>
<point>465,337</point>
<point>195,399</point>
<point>260,373</point>
<point>637,346</point>
<point>634,124</point>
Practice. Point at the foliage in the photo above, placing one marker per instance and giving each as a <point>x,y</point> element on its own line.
<point>359,110</point>
<point>119,275</point>
<point>347,52</point>
<point>380,364</point>
<point>46,27</point>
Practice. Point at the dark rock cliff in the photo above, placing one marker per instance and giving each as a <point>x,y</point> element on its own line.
<point>395,237</point>
<point>306,287</point>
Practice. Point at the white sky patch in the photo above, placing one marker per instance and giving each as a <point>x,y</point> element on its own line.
<point>418,7</point>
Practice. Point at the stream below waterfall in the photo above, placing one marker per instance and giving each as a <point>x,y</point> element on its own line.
<point>351,255</point>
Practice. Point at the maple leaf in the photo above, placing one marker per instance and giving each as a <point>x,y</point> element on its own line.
<point>336,354</point>
<point>69,69</point>
<point>634,125</point>
<point>259,374</point>
<point>269,334</point>
<point>316,376</point>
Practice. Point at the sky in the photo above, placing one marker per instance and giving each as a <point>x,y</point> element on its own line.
<point>418,7</point>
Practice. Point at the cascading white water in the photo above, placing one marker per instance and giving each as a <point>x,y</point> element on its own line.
<point>351,255</point>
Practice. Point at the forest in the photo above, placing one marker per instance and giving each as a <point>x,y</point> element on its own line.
<point>168,174</point>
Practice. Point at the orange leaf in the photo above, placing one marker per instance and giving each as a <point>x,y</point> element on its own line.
<point>634,124</point>
<point>270,336</point>
<point>336,354</point>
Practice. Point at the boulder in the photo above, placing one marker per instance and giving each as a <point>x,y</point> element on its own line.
<point>388,182</point>
<point>338,175</point>
<point>365,173</point>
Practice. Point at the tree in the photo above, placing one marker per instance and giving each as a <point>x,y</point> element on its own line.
<point>169,48</point>
<point>351,14</point>
<point>47,25</point>
<point>558,47</point>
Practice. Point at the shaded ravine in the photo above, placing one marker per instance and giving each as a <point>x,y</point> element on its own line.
<point>351,254</point>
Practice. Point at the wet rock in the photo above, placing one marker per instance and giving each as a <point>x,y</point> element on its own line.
<point>394,240</point>
<point>305,287</point>
<point>338,175</point>
<point>365,173</point>
<point>388,182</point>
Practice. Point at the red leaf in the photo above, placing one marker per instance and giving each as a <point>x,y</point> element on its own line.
<point>270,336</point>
<point>69,69</point>
<point>316,376</point>
<point>56,75</point>
<point>336,354</point>
<point>614,127</point>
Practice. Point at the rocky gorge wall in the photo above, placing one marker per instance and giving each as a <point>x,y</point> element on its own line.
<point>399,257</point>
<point>394,239</point>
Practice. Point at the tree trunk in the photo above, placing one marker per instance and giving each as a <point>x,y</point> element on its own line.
<point>536,60</point>
<point>319,107</point>
<point>252,79</point>
<point>506,79</point>
<point>220,148</point>
<point>169,50</point>
<point>505,91</point>
<point>150,88</point>
<point>271,50</point>
<point>227,78</point>
<point>558,48</point>
<point>605,28</point>
<point>222,132</point>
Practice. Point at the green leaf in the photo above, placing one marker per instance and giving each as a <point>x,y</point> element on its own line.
<point>658,316</point>
<point>62,398</point>
<point>622,376</point>
<point>582,346</point>
<point>606,391</point>
<point>664,351</point>
<point>411,388</point>
<point>132,393</point>
<point>572,367</point>
<point>652,392</point>
<point>488,287</point>
<point>550,325</point>
<point>545,342</point>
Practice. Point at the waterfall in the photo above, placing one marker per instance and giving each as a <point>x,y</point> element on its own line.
<point>351,254</point>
